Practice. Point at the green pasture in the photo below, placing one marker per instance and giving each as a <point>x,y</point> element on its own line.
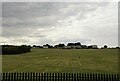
<point>63,60</point>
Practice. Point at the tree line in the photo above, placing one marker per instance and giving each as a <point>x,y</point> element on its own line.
<point>13,49</point>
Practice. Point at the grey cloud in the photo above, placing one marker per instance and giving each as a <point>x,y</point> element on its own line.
<point>24,14</point>
<point>38,36</point>
<point>72,39</point>
<point>29,9</point>
<point>24,10</point>
<point>27,12</point>
<point>0,9</point>
<point>25,18</point>
<point>20,40</point>
<point>14,32</point>
<point>27,23</point>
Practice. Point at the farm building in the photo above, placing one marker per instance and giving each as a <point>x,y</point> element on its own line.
<point>45,46</point>
<point>93,46</point>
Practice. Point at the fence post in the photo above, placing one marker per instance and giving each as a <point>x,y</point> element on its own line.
<point>41,76</point>
<point>3,77</point>
<point>17,76</point>
<point>20,77</point>
<point>63,76</point>
<point>71,76</point>
<point>25,76</point>
<point>77,77</point>
<point>14,76</point>
<point>117,77</point>
<point>66,77</point>
<point>98,77</point>
<point>47,77</point>
<point>91,77</point>
<point>50,77</point>
<point>112,77</point>
<point>31,76</point>
<point>53,77</point>
<point>60,76</point>
<point>95,77</point>
<point>36,76</point>
<point>104,77</point>
<point>101,77</point>
<point>88,77</point>
<point>6,76</point>
<point>11,76</point>
<point>57,76</point>
<point>109,77</point>
<point>85,77</point>
<point>80,77</point>
<point>44,76</point>
<point>74,76</point>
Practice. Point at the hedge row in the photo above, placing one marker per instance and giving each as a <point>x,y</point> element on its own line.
<point>10,49</point>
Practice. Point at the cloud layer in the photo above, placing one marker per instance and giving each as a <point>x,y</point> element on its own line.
<point>59,22</point>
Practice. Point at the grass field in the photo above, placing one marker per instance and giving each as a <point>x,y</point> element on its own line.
<point>63,60</point>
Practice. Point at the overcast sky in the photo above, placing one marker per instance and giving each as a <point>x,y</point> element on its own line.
<point>60,22</point>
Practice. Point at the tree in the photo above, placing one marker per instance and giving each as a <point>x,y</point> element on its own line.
<point>70,44</point>
<point>78,43</point>
<point>105,46</point>
<point>61,45</point>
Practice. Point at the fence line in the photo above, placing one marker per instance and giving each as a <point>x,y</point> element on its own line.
<point>59,77</point>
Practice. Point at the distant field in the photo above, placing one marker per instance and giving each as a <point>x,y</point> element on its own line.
<point>63,60</point>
